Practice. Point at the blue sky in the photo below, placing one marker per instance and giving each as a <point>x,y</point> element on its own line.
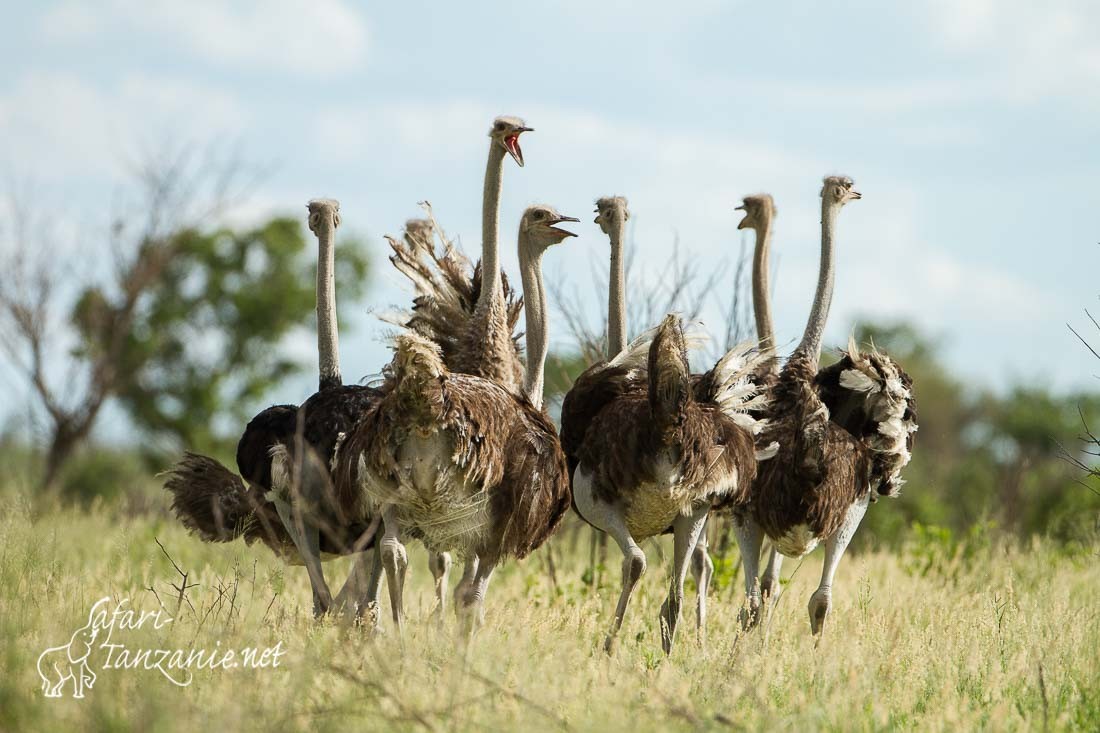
<point>970,128</point>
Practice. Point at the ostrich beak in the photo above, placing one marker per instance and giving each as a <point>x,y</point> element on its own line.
<point>856,195</point>
<point>511,144</point>
<point>744,223</point>
<point>559,220</point>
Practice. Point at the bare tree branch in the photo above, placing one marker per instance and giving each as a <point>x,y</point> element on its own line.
<point>177,190</point>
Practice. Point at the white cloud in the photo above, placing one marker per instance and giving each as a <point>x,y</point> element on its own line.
<point>306,37</point>
<point>55,126</point>
<point>1033,49</point>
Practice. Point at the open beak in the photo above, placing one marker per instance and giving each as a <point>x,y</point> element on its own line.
<point>744,223</point>
<point>511,144</point>
<point>559,220</point>
<point>855,195</point>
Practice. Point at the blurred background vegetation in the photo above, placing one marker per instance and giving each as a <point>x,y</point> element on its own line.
<point>184,333</point>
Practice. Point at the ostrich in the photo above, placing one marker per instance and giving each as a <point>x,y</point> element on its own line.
<point>470,316</point>
<point>624,372</point>
<point>300,482</point>
<point>759,212</point>
<point>219,506</point>
<point>458,460</point>
<point>660,457</point>
<point>844,434</point>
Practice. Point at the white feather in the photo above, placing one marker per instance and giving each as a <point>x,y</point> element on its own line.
<point>768,453</point>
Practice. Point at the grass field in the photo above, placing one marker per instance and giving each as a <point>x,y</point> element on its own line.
<point>938,637</point>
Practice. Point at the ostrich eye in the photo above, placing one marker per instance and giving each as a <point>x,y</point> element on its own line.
<point>498,126</point>
<point>539,215</point>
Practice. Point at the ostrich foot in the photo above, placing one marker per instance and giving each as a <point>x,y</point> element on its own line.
<point>750,613</point>
<point>670,615</point>
<point>819,606</point>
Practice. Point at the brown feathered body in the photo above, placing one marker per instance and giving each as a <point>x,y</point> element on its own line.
<point>484,344</point>
<point>594,389</point>
<point>467,465</point>
<point>661,452</point>
<point>843,432</point>
<point>626,376</point>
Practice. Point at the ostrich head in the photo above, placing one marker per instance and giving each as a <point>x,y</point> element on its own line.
<point>539,226</point>
<point>506,131</point>
<point>838,190</point>
<point>420,232</point>
<point>320,210</point>
<point>758,208</point>
<point>611,212</point>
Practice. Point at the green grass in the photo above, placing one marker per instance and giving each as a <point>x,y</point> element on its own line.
<point>999,637</point>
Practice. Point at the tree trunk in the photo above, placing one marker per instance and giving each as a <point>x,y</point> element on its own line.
<point>66,437</point>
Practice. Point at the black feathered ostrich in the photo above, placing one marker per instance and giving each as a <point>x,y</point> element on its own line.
<point>284,456</point>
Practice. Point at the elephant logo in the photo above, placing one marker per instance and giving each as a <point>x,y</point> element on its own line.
<point>69,662</point>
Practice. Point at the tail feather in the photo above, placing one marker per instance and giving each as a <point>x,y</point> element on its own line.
<point>669,376</point>
<point>214,503</point>
<point>735,385</point>
<point>870,395</point>
<point>446,288</point>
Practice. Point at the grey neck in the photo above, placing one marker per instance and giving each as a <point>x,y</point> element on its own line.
<point>616,301</point>
<point>328,338</point>
<point>534,308</point>
<point>810,346</point>
<point>490,224</point>
<point>761,293</point>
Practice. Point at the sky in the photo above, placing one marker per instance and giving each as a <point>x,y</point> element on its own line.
<point>969,126</point>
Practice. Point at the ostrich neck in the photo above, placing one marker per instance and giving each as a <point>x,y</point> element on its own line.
<point>761,295</point>
<point>490,221</point>
<point>328,344</point>
<point>616,301</point>
<point>810,347</point>
<point>534,308</point>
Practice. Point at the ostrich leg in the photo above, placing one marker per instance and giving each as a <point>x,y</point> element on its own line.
<point>821,600</point>
<point>769,583</point>
<point>473,599</point>
<point>440,565</point>
<point>469,572</point>
<point>395,560</point>
<point>610,519</point>
<point>702,569</point>
<point>749,538</point>
<point>360,590</point>
<point>686,530</point>
<point>294,498</point>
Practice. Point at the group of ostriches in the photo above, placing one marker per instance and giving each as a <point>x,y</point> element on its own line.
<point>454,448</point>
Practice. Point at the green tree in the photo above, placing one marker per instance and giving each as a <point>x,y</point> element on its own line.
<point>203,343</point>
<point>182,328</point>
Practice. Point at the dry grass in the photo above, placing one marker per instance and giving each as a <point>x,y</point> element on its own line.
<point>999,638</point>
